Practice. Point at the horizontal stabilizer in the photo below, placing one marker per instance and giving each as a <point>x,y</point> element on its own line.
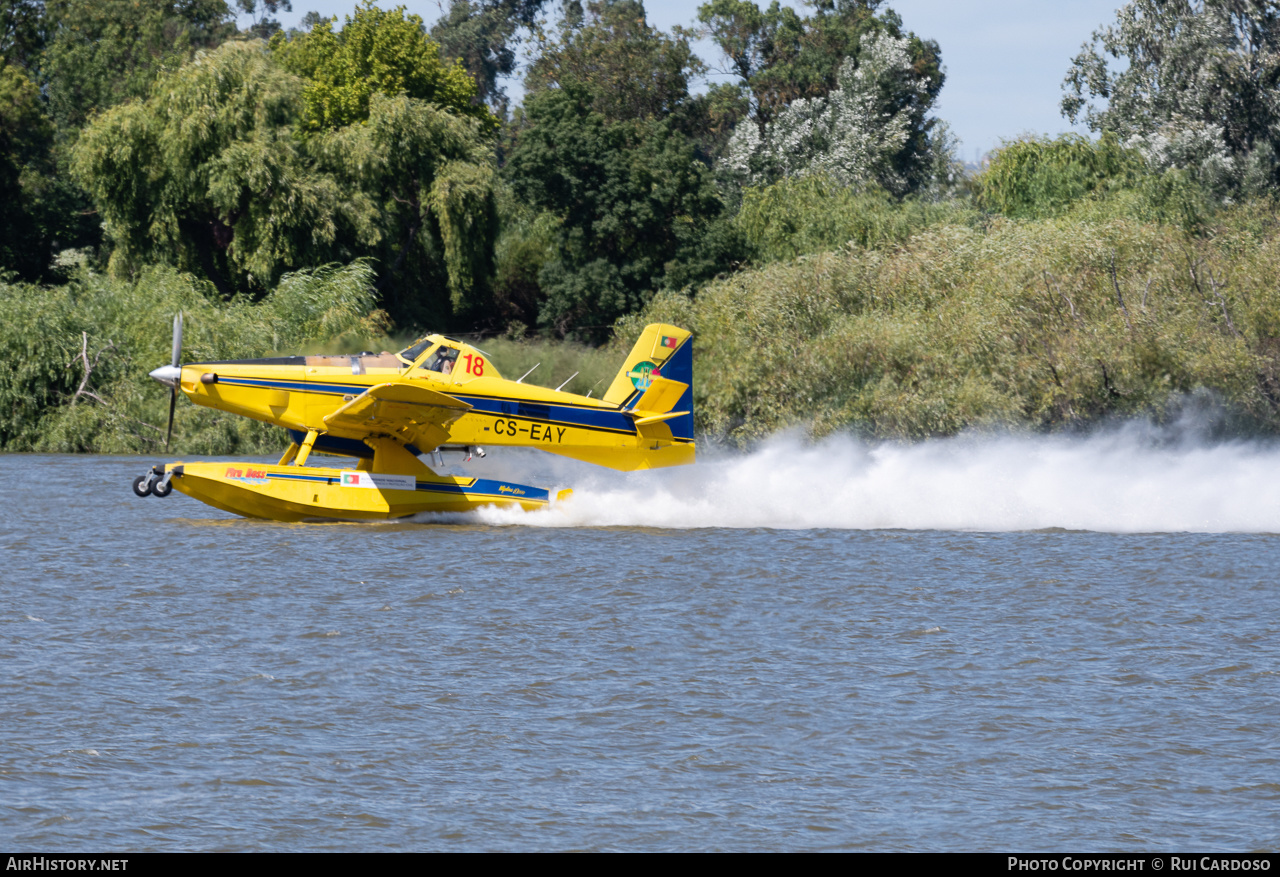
<point>658,418</point>
<point>661,396</point>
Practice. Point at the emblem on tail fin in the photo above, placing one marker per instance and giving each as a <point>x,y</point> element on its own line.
<point>642,374</point>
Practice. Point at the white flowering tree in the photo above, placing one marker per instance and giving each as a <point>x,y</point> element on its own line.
<point>1191,83</point>
<point>858,135</point>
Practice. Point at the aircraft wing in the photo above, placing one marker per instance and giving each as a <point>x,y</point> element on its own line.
<point>414,415</point>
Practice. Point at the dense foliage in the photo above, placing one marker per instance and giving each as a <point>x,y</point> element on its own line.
<point>1052,323</point>
<point>105,52</point>
<point>867,131</point>
<point>814,213</point>
<point>376,52</point>
<point>78,354</point>
<point>629,199</point>
<point>483,37</point>
<point>341,182</point>
<point>780,56</point>
<point>219,172</point>
<point>1034,177</point>
<point>611,146</point>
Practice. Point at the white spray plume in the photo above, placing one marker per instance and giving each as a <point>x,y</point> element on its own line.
<point>1135,479</point>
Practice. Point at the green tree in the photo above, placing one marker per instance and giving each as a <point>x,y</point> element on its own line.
<point>615,150</point>
<point>22,32</point>
<point>45,212</point>
<point>88,57</point>
<point>211,174</point>
<point>207,174</point>
<point>632,71</point>
<point>844,93</point>
<point>1034,178</point>
<point>264,25</point>
<point>483,37</point>
<point>375,52</point>
<point>25,139</point>
<point>780,57</point>
<point>427,186</point>
<point>632,202</point>
<point>105,52</point>
<point>405,130</point>
<point>865,132</point>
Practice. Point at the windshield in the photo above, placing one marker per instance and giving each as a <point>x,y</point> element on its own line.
<point>411,353</point>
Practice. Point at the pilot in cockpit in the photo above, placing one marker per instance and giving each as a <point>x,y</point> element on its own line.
<point>443,360</point>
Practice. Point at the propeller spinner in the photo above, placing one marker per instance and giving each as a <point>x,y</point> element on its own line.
<point>170,375</point>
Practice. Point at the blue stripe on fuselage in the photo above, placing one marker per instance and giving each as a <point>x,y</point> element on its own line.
<point>297,386</point>
<point>561,413</point>
<point>568,415</point>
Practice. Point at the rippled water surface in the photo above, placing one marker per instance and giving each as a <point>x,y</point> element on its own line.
<point>834,648</point>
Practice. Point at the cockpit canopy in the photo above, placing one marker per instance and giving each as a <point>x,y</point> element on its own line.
<point>436,353</point>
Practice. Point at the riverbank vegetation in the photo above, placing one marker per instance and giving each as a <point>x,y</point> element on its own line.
<point>348,185</point>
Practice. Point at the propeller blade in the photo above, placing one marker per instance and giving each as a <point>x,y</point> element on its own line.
<point>177,339</point>
<point>173,401</point>
<point>177,362</point>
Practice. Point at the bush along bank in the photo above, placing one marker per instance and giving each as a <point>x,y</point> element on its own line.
<point>1048,324</point>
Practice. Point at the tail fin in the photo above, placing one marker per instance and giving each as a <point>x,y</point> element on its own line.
<point>657,377</point>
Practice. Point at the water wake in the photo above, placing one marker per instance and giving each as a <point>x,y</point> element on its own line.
<point>1135,479</point>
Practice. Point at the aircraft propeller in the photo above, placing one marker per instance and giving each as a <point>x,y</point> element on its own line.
<point>171,374</point>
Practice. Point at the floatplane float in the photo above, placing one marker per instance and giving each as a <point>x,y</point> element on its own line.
<point>392,411</point>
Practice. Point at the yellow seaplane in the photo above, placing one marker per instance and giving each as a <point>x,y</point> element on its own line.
<point>392,411</point>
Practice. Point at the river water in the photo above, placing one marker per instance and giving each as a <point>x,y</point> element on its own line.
<point>981,643</point>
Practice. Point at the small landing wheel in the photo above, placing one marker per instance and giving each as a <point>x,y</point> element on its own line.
<point>142,485</point>
<point>162,489</point>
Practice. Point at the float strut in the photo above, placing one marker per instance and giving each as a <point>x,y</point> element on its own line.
<point>289,454</point>
<point>307,444</point>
